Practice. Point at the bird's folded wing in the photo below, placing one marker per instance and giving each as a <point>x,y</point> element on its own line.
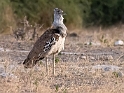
<point>44,44</point>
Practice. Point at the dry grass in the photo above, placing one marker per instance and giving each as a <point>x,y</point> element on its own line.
<point>70,77</point>
<point>73,74</point>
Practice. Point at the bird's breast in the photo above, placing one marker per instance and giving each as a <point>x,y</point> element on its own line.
<point>58,46</point>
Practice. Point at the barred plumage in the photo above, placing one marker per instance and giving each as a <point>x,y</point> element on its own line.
<point>51,42</point>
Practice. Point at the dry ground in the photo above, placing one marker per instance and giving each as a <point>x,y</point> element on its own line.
<point>75,73</point>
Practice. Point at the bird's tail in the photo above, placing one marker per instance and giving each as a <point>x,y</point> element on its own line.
<point>29,63</point>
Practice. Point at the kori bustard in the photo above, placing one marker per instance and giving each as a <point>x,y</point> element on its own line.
<point>51,42</point>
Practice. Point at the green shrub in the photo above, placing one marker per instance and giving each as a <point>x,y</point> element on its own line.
<point>79,12</point>
<point>6,16</point>
<point>41,11</point>
<point>104,12</point>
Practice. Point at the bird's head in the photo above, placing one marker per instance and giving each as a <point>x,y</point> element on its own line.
<point>58,11</point>
<point>58,16</point>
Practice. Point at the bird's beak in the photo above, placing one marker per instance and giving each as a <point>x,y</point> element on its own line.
<point>64,14</point>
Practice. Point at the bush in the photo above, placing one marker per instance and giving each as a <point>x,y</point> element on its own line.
<point>104,12</point>
<point>79,12</point>
<point>41,11</point>
<point>6,16</point>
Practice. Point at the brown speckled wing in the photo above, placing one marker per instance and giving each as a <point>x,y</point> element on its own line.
<point>44,44</point>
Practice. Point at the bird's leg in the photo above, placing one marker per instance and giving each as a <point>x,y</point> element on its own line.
<point>47,65</point>
<point>53,64</point>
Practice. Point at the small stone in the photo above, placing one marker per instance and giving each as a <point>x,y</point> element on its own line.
<point>92,58</point>
<point>119,43</point>
<point>83,57</point>
<point>110,57</point>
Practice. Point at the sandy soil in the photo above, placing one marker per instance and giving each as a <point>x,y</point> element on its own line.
<point>80,68</point>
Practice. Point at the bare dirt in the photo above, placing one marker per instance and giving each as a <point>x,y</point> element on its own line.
<point>83,67</point>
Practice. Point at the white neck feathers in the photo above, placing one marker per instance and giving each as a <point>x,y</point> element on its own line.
<point>58,21</point>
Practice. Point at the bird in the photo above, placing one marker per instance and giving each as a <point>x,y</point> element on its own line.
<point>51,42</point>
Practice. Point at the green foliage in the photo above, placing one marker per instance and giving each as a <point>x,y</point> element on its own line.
<point>41,11</point>
<point>64,90</point>
<point>115,74</point>
<point>79,12</point>
<point>56,60</point>
<point>6,15</point>
<point>36,82</point>
<point>105,12</point>
<point>56,87</point>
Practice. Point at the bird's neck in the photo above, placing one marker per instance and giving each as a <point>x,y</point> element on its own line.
<point>58,21</point>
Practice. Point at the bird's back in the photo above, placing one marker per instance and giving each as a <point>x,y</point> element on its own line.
<point>50,42</point>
